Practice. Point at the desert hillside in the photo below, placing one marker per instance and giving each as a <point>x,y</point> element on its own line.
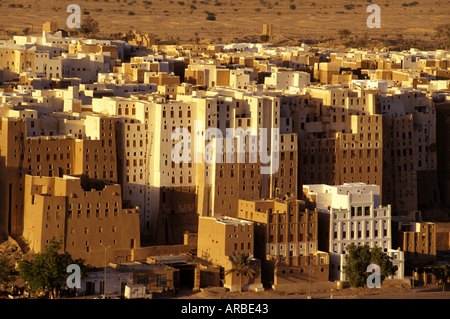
<point>242,20</point>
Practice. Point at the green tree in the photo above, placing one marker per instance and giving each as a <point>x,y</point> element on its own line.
<point>240,267</point>
<point>359,258</point>
<point>48,271</point>
<point>264,38</point>
<point>7,272</point>
<point>442,274</point>
<point>89,26</point>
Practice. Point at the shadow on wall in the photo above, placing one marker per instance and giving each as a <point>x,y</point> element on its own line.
<point>177,215</point>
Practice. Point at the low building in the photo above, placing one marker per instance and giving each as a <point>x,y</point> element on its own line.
<point>194,272</point>
<point>219,238</point>
<point>116,281</point>
<point>417,238</point>
<point>156,277</point>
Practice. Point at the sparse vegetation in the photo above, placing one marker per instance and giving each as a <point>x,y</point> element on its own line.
<point>89,26</point>
<point>7,272</point>
<point>411,4</point>
<point>210,16</point>
<point>442,34</point>
<point>292,7</point>
<point>264,38</point>
<point>442,274</point>
<point>344,33</point>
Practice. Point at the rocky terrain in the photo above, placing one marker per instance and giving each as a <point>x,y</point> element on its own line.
<point>10,248</point>
<point>294,21</point>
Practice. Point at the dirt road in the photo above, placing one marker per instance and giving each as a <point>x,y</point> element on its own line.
<point>429,292</point>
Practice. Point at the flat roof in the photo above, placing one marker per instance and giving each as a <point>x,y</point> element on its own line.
<point>171,259</point>
<point>229,220</point>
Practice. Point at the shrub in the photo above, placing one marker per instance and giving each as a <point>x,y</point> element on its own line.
<point>292,7</point>
<point>264,38</point>
<point>131,13</point>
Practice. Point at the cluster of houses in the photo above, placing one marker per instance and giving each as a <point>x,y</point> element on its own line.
<point>349,154</point>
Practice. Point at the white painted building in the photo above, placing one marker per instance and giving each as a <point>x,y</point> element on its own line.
<point>282,79</point>
<point>115,282</point>
<point>351,213</point>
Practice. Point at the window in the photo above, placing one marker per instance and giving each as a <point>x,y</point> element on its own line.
<point>143,280</point>
<point>161,280</point>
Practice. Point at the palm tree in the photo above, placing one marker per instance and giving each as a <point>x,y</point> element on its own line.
<point>240,267</point>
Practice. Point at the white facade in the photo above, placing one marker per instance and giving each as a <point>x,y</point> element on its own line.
<point>283,79</point>
<point>241,78</point>
<point>355,216</point>
<point>115,282</point>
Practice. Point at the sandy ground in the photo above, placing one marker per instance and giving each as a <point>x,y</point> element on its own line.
<point>242,20</point>
<point>386,292</point>
<point>428,292</point>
